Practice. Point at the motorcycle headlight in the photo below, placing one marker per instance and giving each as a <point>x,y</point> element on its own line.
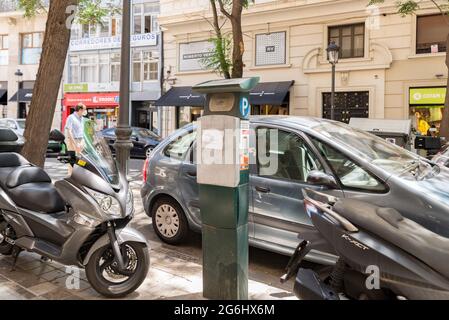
<point>108,204</point>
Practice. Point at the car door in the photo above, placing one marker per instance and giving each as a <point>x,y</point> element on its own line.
<point>284,159</point>
<point>190,191</point>
<point>139,143</point>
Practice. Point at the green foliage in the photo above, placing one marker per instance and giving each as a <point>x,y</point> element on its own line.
<point>407,7</point>
<point>89,11</point>
<point>219,59</point>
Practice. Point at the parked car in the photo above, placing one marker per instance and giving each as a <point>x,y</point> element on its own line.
<point>18,126</point>
<point>311,153</point>
<point>144,140</point>
<point>442,157</point>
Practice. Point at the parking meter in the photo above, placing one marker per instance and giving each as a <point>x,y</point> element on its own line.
<point>223,175</point>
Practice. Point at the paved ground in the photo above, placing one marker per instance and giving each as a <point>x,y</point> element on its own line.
<point>175,272</point>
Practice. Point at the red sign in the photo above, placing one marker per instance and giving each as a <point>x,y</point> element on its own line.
<point>92,99</point>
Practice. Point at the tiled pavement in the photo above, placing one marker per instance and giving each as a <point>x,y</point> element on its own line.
<point>175,273</point>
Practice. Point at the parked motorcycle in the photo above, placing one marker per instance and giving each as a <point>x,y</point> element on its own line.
<point>80,220</point>
<point>10,141</point>
<point>382,255</point>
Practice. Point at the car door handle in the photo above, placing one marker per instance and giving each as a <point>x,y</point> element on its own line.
<point>191,173</point>
<point>263,189</point>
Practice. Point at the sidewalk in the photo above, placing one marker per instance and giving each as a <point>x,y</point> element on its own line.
<point>173,275</point>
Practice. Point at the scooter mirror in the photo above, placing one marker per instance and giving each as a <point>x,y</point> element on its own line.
<point>319,178</point>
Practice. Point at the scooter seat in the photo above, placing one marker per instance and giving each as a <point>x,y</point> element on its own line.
<point>390,225</point>
<point>28,186</point>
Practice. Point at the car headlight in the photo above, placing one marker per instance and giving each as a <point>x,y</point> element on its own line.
<point>108,204</point>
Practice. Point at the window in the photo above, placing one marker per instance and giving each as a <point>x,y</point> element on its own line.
<point>347,105</point>
<point>74,69</point>
<point>146,65</point>
<point>116,26</point>
<point>284,155</point>
<point>350,38</point>
<point>431,34</point>
<point>31,46</point>
<point>271,48</point>
<point>178,148</point>
<point>351,175</point>
<point>104,68</point>
<point>150,65</point>
<point>88,67</point>
<point>104,28</point>
<point>137,67</point>
<point>145,18</point>
<point>4,45</point>
<point>115,67</point>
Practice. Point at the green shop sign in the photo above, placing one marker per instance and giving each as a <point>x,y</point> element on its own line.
<point>424,96</point>
<point>77,87</point>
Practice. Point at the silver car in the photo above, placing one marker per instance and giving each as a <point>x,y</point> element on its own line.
<point>310,153</point>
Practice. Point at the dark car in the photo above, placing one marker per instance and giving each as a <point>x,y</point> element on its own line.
<point>144,140</point>
<point>288,154</point>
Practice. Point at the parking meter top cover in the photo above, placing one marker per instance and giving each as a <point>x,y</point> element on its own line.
<point>227,85</point>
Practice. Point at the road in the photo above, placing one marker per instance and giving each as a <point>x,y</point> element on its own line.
<point>175,271</point>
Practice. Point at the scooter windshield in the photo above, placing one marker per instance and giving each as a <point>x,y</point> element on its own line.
<point>97,152</point>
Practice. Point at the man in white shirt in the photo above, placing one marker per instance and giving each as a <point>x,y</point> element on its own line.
<point>74,130</point>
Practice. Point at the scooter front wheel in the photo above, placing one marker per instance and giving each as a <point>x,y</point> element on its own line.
<point>106,278</point>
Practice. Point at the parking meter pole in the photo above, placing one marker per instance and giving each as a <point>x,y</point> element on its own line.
<point>223,187</point>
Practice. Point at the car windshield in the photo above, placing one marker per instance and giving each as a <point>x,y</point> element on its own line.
<point>21,124</point>
<point>147,134</point>
<point>376,150</point>
<point>97,152</point>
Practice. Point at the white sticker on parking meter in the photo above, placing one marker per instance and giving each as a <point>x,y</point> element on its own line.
<point>244,107</point>
<point>244,145</point>
<point>213,139</point>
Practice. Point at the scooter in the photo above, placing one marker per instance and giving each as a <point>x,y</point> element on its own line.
<point>382,255</point>
<point>80,220</point>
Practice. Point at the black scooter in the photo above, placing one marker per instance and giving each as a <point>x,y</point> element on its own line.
<point>81,220</point>
<point>382,255</point>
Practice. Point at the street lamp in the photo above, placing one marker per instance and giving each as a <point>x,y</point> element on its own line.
<point>123,131</point>
<point>332,54</point>
<point>19,75</point>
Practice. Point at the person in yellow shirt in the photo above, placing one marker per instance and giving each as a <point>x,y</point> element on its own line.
<point>422,125</point>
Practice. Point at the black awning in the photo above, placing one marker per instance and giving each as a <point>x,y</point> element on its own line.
<point>3,97</point>
<point>25,95</point>
<point>181,97</point>
<point>273,93</point>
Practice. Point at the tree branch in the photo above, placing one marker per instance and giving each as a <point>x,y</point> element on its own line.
<point>223,10</point>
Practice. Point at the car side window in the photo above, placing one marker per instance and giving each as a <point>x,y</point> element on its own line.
<point>11,124</point>
<point>351,175</point>
<point>282,154</point>
<point>178,148</point>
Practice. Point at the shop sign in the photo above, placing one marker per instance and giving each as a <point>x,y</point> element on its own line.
<point>271,48</point>
<point>192,54</point>
<point>92,99</point>
<point>97,43</point>
<point>91,87</point>
<point>423,96</point>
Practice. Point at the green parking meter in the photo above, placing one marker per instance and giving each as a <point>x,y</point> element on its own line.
<point>223,176</point>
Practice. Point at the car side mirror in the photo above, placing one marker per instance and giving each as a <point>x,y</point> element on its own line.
<point>319,178</point>
<point>135,138</point>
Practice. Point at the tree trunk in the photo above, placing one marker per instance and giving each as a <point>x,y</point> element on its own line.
<point>48,80</point>
<point>237,35</point>
<point>444,127</point>
<point>221,49</point>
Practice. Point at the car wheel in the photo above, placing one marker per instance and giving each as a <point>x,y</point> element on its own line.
<point>169,221</point>
<point>148,151</point>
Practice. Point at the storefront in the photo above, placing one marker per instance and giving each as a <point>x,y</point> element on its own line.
<point>144,115</point>
<point>426,108</point>
<point>24,95</point>
<point>267,98</point>
<point>101,107</point>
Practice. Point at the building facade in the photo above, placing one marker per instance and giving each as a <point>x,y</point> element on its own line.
<point>93,68</point>
<point>20,50</point>
<point>390,66</point>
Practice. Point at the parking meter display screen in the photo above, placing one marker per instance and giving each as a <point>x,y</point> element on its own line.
<point>221,102</point>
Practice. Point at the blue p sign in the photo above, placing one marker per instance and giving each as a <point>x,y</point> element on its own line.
<point>244,107</point>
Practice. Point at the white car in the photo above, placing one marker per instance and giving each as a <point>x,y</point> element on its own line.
<point>16,125</point>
